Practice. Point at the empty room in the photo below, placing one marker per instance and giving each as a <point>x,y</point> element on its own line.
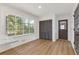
<point>39,29</point>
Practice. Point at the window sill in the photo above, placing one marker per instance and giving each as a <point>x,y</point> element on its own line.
<point>21,35</point>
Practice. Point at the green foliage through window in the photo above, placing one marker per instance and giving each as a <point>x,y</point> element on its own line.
<point>18,26</point>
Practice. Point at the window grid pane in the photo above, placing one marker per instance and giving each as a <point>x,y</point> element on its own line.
<point>26,28</point>
<point>10,24</point>
<point>17,26</point>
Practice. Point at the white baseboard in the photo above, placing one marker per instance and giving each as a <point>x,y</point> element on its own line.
<point>74,51</point>
<point>53,40</point>
<point>74,48</point>
<point>13,45</point>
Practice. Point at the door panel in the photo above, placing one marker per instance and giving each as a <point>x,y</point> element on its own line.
<point>63,29</point>
<point>45,29</point>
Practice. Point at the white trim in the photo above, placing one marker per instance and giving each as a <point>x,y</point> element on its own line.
<point>74,51</point>
<point>73,48</point>
<point>53,40</point>
<point>14,44</point>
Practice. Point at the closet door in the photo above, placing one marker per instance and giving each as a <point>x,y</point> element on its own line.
<point>45,29</point>
<point>41,30</point>
<point>49,27</point>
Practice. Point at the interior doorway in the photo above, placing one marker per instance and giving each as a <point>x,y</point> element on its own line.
<point>63,29</point>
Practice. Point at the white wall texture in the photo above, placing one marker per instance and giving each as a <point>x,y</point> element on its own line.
<point>6,41</point>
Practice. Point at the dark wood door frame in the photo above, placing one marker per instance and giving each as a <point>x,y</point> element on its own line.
<point>59,27</point>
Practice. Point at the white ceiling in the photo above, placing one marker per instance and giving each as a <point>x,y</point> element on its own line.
<point>56,8</point>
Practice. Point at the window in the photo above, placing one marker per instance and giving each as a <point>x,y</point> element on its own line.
<point>10,24</point>
<point>26,26</point>
<point>18,26</point>
<point>31,26</point>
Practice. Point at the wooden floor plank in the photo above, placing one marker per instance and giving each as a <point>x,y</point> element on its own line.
<point>42,47</point>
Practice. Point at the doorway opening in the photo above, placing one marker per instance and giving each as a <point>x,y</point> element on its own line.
<point>63,29</point>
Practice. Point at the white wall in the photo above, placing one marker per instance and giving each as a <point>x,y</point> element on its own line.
<point>4,38</point>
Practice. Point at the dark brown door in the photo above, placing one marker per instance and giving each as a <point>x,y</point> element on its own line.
<point>45,29</point>
<point>63,29</point>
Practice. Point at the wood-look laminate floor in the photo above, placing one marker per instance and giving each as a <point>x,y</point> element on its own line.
<point>42,47</point>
